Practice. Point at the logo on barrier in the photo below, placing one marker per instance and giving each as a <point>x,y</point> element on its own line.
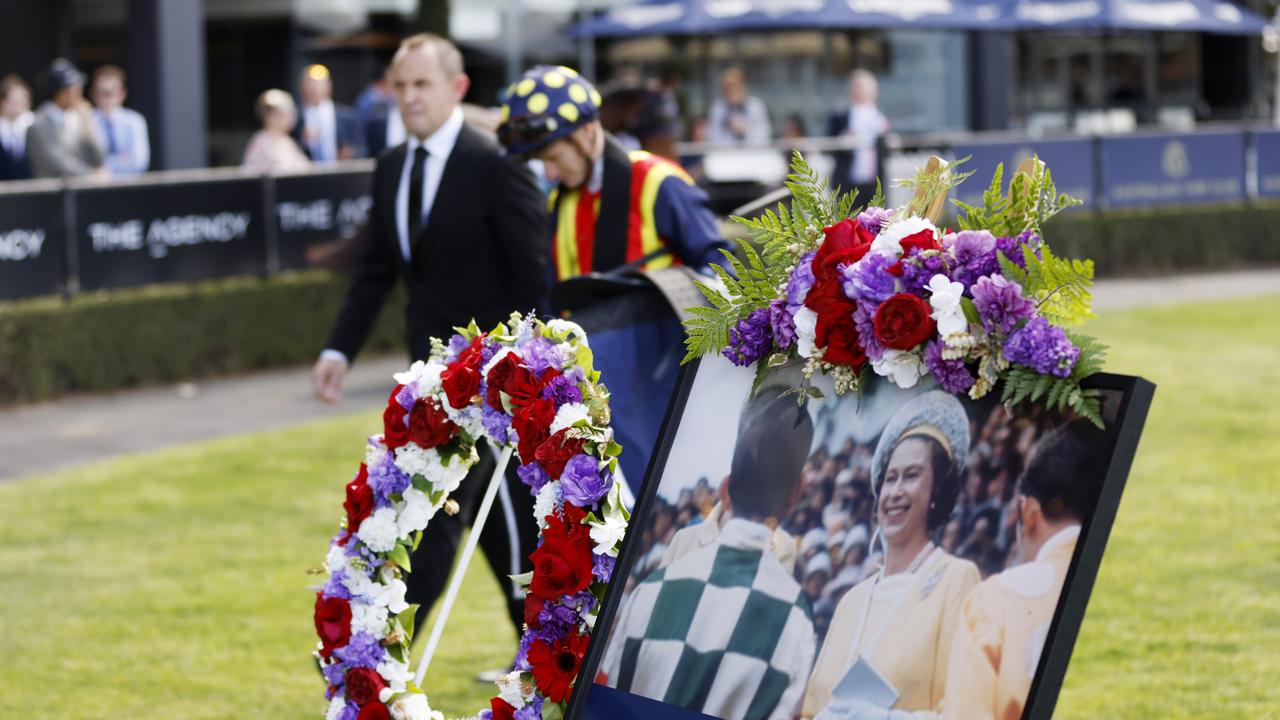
<point>162,234</point>
<point>1174,162</point>
<point>21,244</point>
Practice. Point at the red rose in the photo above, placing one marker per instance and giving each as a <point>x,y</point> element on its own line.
<point>461,383</point>
<point>498,376</point>
<point>429,424</point>
<point>824,293</point>
<point>394,432</point>
<point>845,242</point>
<point>333,623</point>
<point>359,502</point>
<point>837,333</point>
<point>556,666</point>
<point>903,321</point>
<point>374,711</point>
<point>473,355</point>
<point>923,240</point>
<point>524,387</point>
<point>502,710</point>
<point>533,424</point>
<point>556,450</point>
<point>532,609</point>
<point>561,566</point>
<point>363,686</point>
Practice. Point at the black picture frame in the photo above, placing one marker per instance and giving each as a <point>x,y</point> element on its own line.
<point>1130,418</point>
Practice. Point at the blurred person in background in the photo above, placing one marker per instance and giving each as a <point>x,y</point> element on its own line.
<point>736,117</point>
<point>124,131</point>
<point>326,131</point>
<point>380,121</point>
<point>1005,619</point>
<point>63,140</point>
<point>15,118</point>
<point>273,149</point>
<point>867,130</point>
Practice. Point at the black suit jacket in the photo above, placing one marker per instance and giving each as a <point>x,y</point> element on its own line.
<point>482,252</point>
<point>346,124</point>
<point>837,124</point>
<point>13,168</point>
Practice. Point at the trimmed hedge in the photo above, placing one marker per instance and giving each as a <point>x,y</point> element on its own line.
<point>127,338</point>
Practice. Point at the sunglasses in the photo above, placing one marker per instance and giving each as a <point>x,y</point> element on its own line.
<point>527,129</point>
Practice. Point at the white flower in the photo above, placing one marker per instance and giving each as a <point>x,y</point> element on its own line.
<point>412,707</point>
<point>902,367</point>
<point>562,328</point>
<point>607,534</point>
<point>509,689</point>
<point>391,597</point>
<point>547,502</point>
<point>371,619</point>
<point>336,706</point>
<point>378,531</point>
<point>945,299</point>
<point>359,585</point>
<point>443,474</point>
<point>806,331</point>
<point>567,415</point>
<point>396,674</point>
<point>374,453</point>
<point>889,241</point>
<point>469,418</point>
<point>425,374</point>
<point>336,560</point>
<point>416,512</point>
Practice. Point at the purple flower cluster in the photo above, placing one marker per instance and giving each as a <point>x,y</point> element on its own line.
<point>864,319</point>
<point>951,375</point>
<point>975,255</point>
<point>602,566</point>
<point>782,324</point>
<point>563,390</point>
<point>497,424</point>
<point>335,586</point>
<point>868,281</point>
<point>1012,246</point>
<point>386,480</point>
<point>750,339</point>
<point>363,651</point>
<point>531,711</point>
<point>874,218</point>
<point>540,354</point>
<point>1043,348</point>
<point>919,268</point>
<point>457,344</point>
<point>582,481</point>
<point>533,475</point>
<point>1000,303</point>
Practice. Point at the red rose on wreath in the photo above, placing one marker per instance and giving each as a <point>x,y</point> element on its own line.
<point>556,450</point>
<point>524,387</point>
<point>363,686</point>
<point>823,293</point>
<point>532,609</point>
<point>473,355</point>
<point>429,424</point>
<point>846,242</point>
<point>461,382</point>
<point>903,321</point>
<point>498,377</point>
<point>333,623</point>
<point>555,666</point>
<point>374,711</point>
<point>502,710</point>
<point>837,333</point>
<point>923,240</point>
<point>394,432</point>
<point>561,565</point>
<point>359,502</point>
<point>533,424</point>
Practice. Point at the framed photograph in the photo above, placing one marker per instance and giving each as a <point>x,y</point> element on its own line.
<point>902,554</point>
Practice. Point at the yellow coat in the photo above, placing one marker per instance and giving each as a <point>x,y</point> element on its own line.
<point>1001,634</point>
<point>912,650</point>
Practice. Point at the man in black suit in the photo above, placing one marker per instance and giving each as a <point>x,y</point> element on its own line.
<point>465,227</point>
<point>326,131</point>
<point>867,129</point>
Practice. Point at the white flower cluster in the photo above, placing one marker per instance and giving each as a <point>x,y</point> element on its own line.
<point>568,415</point>
<point>547,503</point>
<point>607,534</point>
<point>378,531</point>
<point>511,688</point>
<point>413,707</point>
<point>445,475</point>
<point>425,376</point>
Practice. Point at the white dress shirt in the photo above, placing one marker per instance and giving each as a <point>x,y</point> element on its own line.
<point>13,134</point>
<point>322,119</point>
<point>866,125</point>
<point>124,131</point>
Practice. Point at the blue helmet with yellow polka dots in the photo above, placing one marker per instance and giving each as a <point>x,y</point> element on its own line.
<point>546,104</point>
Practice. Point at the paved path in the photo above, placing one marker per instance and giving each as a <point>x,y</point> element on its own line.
<point>45,437</point>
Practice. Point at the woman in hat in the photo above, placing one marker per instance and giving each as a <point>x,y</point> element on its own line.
<point>891,633</point>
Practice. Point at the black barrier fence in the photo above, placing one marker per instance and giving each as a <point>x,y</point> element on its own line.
<point>64,237</point>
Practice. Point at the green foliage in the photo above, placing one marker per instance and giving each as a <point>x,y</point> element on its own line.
<point>932,184</point>
<point>144,336</point>
<point>1060,286</point>
<point>1032,200</point>
<point>1024,384</point>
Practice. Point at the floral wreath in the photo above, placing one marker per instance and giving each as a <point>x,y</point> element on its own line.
<point>885,291</point>
<point>528,385</point>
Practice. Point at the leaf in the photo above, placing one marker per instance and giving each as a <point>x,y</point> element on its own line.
<point>552,711</point>
<point>400,556</point>
<point>407,619</point>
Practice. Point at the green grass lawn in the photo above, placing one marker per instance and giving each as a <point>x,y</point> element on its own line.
<point>173,584</point>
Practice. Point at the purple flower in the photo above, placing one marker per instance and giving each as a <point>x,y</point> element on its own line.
<point>560,615</point>
<point>562,390</point>
<point>975,254</point>
<point>867,279</point>
<point>485,715</point>
<point>864,319</point>
<point>522,654</point>
<point>750,339</point>
<point>363,651</point>
<point>488,348</point>
<point>386,480</point>
<point>350,712</point>
<point>1012,246</point>
<point>334,587</point>
<point>533,475</point>
<point>782,323</point>
<point>405,399</point>
<point>1000,303</point>
<point>540,354</point>
<point>1042,347</point>
<point>334,673</point>
<point>951,375</point>
<point>874,218</point>
<point>919,269</point>
<point>531,711</point>
<point>582,482</point>
<point>800,283</point>
<point>457,344</point>
<point>496,423</point>
<point>602,567</point>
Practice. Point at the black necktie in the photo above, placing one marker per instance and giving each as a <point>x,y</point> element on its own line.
<point>416,177</point>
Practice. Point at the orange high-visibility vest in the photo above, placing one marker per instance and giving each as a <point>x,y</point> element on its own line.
<point>579,209</point>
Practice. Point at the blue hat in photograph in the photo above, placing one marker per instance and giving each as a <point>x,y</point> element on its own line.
<point>935,414</point>
<point>546,104</point>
